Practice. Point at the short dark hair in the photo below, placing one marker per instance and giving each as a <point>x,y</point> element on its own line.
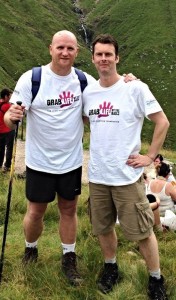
<point>105,39</point>
<point>160,157</point>
<point>151,198</point>
<point>163,169</point>
<point>5,92</point>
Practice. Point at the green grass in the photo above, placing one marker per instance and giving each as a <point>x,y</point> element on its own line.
<point>45,280</point>
<point>26,31</point>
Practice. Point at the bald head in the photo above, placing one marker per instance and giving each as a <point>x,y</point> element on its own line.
<point>64,34</point>
<point>63,50</point>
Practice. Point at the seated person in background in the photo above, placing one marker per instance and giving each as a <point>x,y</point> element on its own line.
<point>154,204</point>
<point>162,189</point>
<point>171,177</point>
<point>151,174</point>
<point>157,161</point>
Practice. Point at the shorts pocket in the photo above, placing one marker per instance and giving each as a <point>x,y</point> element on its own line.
<point>145,216</point>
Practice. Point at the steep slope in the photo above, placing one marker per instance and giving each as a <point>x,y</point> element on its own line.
<point>145,29</point>
<point>26,28</point>
<point>146,32</point>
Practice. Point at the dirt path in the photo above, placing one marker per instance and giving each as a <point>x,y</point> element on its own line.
<point>20,161</point>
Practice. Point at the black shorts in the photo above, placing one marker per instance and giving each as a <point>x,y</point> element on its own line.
<point>42,187</point>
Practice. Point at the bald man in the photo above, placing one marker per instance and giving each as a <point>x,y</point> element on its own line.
<point>53,147</point>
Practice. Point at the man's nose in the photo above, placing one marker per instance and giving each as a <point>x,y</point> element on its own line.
<point>103,57</point>
<point>65,51</point>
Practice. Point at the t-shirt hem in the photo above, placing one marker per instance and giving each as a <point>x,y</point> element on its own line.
<point>39,169</point>
<point>115,183</point>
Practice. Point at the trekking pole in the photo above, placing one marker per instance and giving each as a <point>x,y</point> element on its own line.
<point>22,125</point>
<point>9,197</point>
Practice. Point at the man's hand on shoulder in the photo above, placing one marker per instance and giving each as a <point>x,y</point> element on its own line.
<point>129,77</point>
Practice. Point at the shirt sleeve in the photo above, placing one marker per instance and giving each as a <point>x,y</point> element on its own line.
<point>146,100</point>
<point>22,91</point>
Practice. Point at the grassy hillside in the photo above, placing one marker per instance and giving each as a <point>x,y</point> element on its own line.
<point>26,29</point>
<point>45,280</point>
<point>145,30</point>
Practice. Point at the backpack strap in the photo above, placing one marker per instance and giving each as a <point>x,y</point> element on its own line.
<point>36,79</point>
<point>82,78</point>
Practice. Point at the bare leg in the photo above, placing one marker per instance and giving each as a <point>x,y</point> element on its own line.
<point>108,243</point>
<point>68,220</point>
<point>157,216</point>
<point>149,250</point>
<point>67,231</point>
<point>109,275</point>
<point>33,221</point>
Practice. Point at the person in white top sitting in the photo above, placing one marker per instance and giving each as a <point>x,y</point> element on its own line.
<point>154,204</point>
<point>163,189</point>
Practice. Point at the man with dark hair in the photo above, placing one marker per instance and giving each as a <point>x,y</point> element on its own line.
<point>6,134</point>
<point>116,113</point>
<point>5,95</point>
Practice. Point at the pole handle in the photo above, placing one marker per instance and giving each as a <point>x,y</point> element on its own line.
<point>19,103</point>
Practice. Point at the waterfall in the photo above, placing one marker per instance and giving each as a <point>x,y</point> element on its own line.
<point>87,34</point>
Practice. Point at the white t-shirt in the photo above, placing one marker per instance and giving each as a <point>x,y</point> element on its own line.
<point>116,117</point>
<point>54,121</point>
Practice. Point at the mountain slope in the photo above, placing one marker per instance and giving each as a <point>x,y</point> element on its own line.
<point>145,30</point>
<point>26,29</point>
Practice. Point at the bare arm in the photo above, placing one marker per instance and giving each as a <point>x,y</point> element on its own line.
<point>156,204</point>
<point>161,127</point>
<point>85,120</point>
<point>159,135</point>
<point>172,191</point>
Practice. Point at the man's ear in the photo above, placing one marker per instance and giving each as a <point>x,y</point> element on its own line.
<point>117,59</point>
<point>77,51</point>
<point>50,49</point>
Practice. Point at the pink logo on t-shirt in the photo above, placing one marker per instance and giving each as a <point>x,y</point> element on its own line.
<point>66,99</point>
<point>105,109</point>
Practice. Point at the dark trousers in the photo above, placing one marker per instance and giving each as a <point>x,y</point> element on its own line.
<point>6,144</point>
